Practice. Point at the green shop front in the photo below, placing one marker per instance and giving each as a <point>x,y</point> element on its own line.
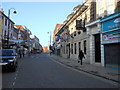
<point>111,40</point>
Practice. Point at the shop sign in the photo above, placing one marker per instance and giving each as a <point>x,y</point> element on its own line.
<point>111,37</point>
<point>110,25</point>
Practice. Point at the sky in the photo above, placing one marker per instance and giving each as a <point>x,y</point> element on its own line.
<point>39,17</point>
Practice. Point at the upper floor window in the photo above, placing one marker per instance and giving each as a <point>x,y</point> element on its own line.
<point>8,24</point>
<point>5,22</point>
<point>110,6</point>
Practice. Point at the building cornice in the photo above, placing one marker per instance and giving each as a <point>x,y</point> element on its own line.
<point>92,23</point>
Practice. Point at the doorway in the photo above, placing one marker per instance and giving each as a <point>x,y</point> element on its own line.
<point>97,48</point>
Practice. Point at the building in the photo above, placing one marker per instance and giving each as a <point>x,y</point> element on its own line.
<point>82,30</point>
<point>46,49</point>
<point>111,40</point>
<point>35,45</point>
<point>0,32</point>
<point>55,38</point>
<point>74,36</point>
<point>7,30</point>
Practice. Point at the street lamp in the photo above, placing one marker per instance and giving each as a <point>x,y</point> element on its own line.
<point>13,12</point>
<point>50,42</point>
<point>50,36</point>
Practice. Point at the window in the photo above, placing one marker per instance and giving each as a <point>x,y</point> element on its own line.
<point>8,24</point>
<point>110,7</point>
<point>79,32</point>
<point>75,48</point>
<point>78,24</point>
<point>85,47</point>
<point>5,22</point>
<point>5,34</point>
<point>71,48</point>
<point>79,45</point>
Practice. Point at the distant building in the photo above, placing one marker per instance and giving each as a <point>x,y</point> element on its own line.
<point>54,38</point>
<point>46,49</point>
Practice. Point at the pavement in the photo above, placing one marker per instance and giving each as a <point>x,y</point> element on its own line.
<point>94,69</point>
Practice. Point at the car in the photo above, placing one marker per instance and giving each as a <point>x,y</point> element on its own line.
<point>9,59</point>
<point>38,52</point>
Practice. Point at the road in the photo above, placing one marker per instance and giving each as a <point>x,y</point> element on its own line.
<point>39,71</point>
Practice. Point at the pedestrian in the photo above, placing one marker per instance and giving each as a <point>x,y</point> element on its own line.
<point>20,53</point>
<point>81,56</point>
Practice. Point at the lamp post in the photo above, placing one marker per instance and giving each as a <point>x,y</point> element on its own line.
<point>50,42</point>
<point>50,36</point>
<point>13,12</point>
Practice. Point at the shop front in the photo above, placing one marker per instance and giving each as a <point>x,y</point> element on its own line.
<point>111,40</point>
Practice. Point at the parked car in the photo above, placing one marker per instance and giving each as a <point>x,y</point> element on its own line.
<point>38,51</point>
<point>9,59</point>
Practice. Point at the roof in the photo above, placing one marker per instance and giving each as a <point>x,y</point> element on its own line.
<point>19,26</point>
<point>56,30</point>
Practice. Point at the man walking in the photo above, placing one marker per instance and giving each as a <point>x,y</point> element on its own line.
<point>20,53</point>
<point>80,56</point>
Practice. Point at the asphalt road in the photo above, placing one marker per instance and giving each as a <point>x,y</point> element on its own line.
<point>39,71</point>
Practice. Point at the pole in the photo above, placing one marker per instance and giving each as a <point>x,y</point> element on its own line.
<point>50,43</point>
<point>9,13</point>
<point>13,12</point>
<point>50,37</point>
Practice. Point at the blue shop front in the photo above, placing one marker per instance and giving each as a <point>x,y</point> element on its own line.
<point>111,40</point>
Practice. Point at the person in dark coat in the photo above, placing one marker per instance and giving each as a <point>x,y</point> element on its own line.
<point>20,53</point>
<point>81,56</point>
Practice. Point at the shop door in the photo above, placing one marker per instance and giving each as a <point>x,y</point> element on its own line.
<point>112,54</point>
<point>97,48</point>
